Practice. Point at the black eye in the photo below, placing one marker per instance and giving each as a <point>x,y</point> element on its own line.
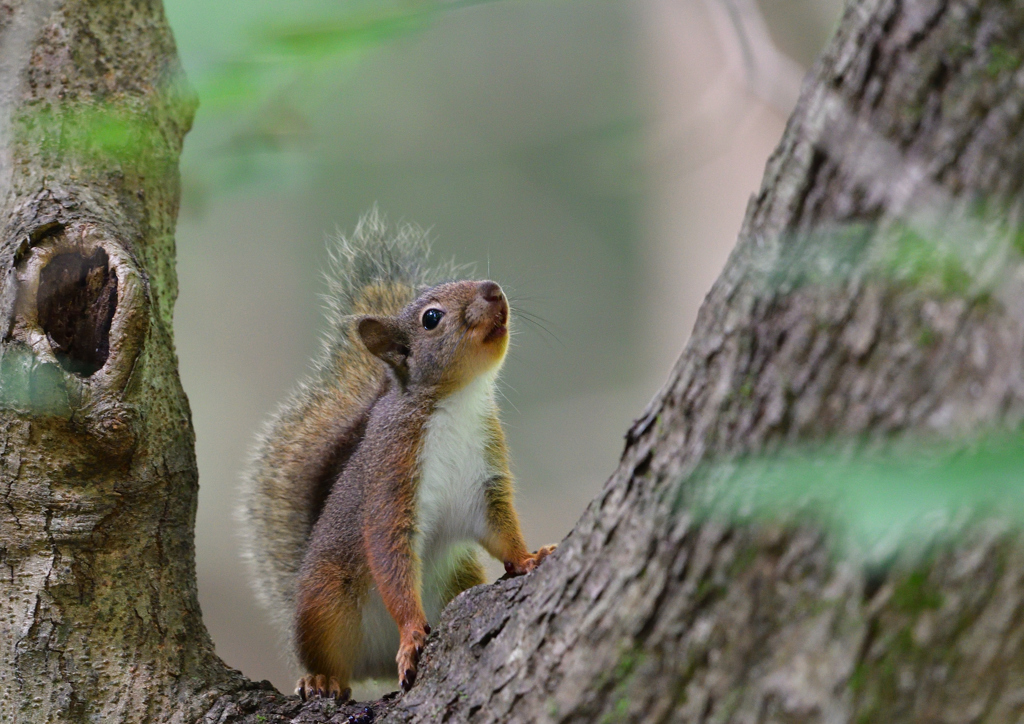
<point>432,318</point>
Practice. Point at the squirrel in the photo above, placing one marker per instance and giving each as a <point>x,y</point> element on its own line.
<point>372,486</point>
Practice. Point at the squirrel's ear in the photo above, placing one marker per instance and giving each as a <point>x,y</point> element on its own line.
<point>385,339</point>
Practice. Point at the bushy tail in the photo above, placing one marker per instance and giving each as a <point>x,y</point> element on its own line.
<point>377,270</point>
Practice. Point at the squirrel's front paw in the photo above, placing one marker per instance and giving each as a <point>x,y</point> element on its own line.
<point>409,652</point>
<point>318,685</point>
<point>528,563</point>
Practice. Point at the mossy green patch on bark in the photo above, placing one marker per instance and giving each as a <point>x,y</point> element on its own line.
<point>914,594</point>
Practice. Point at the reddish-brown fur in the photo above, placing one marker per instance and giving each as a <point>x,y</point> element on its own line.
<point>331,496</point>
<point>376,491</point>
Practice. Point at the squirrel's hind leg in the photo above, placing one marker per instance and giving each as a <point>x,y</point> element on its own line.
<point>466,572</point>
<point>327,632</point>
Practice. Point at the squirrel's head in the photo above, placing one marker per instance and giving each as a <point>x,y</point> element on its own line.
<point>445,338</point>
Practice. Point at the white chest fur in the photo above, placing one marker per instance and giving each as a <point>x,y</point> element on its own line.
<point>450,502</point>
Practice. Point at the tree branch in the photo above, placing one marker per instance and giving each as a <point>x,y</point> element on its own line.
<point>908,130</point>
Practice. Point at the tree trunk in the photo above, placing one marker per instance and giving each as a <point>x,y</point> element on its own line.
<point>875,293</point>
<point>99,620</point>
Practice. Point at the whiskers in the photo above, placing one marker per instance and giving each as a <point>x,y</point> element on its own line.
<point>536,322</point>
<point>506,397</point>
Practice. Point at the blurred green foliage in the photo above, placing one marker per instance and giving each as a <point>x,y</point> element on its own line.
<point>125,135</point>
<point>257,101</point>
<point>966,251</point>
<point>874,497</point>
<point>28,385</point>
<point>923,262</point>
<point>279,53</point>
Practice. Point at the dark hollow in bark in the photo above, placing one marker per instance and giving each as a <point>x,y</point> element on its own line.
<point>77,299</point>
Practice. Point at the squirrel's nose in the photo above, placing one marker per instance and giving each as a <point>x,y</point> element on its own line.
<point>490,291</point>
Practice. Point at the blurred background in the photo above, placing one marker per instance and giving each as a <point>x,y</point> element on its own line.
<point>595,157</point>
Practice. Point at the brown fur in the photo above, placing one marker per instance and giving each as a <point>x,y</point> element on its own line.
<point>332,491</point>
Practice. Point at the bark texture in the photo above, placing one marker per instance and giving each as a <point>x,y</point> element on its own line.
<point>876,292</point>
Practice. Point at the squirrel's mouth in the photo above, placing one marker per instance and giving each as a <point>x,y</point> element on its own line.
<point>497,332</point>
<point>500,328</point>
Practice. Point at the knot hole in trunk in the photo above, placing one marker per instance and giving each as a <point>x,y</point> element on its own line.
<point>76,301</point>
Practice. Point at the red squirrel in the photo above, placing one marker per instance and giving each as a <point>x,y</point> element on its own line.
<point>372,487</point>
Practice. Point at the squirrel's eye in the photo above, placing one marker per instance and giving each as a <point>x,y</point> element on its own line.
<point>432,318</point>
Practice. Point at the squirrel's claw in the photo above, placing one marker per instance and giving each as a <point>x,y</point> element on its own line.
<point>545,552</point>
<point>528,563</point>
<point>408,660</point>
<point>318,685</point>
<point>408,679</point>
<point>409,655</point>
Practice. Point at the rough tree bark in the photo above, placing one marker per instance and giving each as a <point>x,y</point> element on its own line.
<point>99,620</point>
<point>908,133</point>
